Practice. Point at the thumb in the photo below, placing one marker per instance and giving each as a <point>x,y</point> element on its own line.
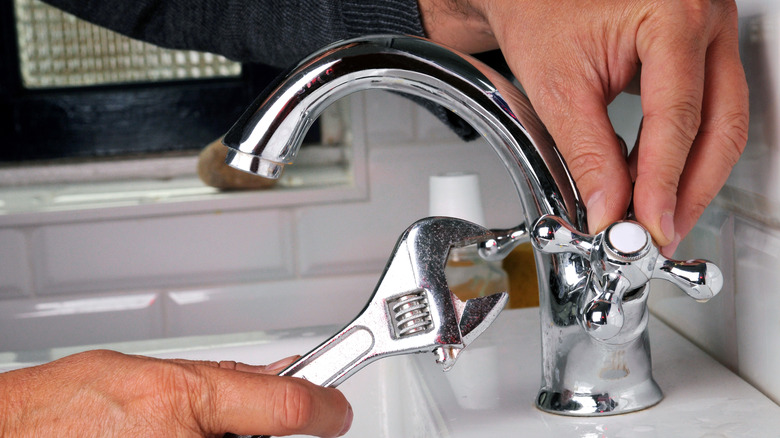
<point>248,403</point>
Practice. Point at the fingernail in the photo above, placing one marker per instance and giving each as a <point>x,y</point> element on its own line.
<point>667,226</point>
<point>597,207</point>
<point>347,421</point>
<point>281,364</point>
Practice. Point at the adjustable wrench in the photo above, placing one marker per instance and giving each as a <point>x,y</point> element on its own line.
<point>412,309</point>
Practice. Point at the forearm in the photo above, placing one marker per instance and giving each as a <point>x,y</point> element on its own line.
<point>6,413</point>
<point>12,403</point>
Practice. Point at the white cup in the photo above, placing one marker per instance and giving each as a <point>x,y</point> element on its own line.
<point>456,194</point>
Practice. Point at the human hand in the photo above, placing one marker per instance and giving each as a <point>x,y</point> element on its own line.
<point>104,393</point>
<point>573,58</point>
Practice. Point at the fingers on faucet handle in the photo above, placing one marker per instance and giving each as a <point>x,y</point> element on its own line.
<point>700,279</point>
<point>552,234</point>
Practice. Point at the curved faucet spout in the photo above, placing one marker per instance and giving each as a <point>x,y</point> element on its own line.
<point>269,134</point>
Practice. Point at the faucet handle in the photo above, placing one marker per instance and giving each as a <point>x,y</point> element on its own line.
<point>700,279</point>
<point>630,242</point>
<point>553,235</point>
<point>622,258</point>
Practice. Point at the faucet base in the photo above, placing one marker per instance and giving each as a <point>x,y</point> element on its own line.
<point>636,398</point>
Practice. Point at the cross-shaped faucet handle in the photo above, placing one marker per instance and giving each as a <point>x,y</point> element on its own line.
<point>622,258</point>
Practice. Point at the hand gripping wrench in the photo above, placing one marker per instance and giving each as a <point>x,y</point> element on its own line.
<point>412,309</point>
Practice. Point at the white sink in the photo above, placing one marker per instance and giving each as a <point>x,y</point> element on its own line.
<point>491,390</point>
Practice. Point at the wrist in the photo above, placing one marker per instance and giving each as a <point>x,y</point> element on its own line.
<point>459,24</point>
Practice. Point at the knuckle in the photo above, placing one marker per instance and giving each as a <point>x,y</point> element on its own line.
<point>671,183</point>
<point>296,409</point>
<point>692,18</point>
<point>685,118</point>
<point>185,395</point>
<point>561,88</point>
<point>732,132</point>
<point>586,161</point>
<point>728,11</point>
<point>99,355</point>
<point>697,12</point>
<point>209,363</point>
<point>663,177</point>
<point>95,358</point>
<point>552,92</point>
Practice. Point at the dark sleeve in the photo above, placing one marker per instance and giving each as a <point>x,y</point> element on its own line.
<point>272,32</point>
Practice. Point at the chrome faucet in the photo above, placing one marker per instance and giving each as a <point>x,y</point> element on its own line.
<point>593,290</point>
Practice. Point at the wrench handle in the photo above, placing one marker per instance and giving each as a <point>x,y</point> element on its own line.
<point>331,362</point>
<point>335,359</point>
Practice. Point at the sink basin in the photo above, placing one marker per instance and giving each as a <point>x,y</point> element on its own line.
<point>491,389</point>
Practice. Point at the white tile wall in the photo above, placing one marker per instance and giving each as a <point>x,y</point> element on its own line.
<point>15,272</point>
<point>711,325</point>
<point>758,171</point>
<point>162,251</point>
<point>33,324</point>
<point>268,305</point>
<point>758,305</point>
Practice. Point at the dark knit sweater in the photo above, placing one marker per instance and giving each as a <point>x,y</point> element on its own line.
<point>273,32</point>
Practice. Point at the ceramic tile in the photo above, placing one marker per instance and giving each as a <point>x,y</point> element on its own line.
<point>15,272</point>
<point>33,324</point>
<point>710,325</point>
<point>267,306</point>
<point>753,187</point>
<point>757,304</point>
<point>167,251</point>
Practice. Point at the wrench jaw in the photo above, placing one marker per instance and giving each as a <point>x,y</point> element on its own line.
<point>428,242</point>
<point>474,317</point>
<point>479,313</point>
<point>412,309</point>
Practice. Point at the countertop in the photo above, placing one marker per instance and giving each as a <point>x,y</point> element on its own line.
<point>491,390</point>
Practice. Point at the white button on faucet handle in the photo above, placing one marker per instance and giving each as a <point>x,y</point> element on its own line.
<point>628,239</point>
